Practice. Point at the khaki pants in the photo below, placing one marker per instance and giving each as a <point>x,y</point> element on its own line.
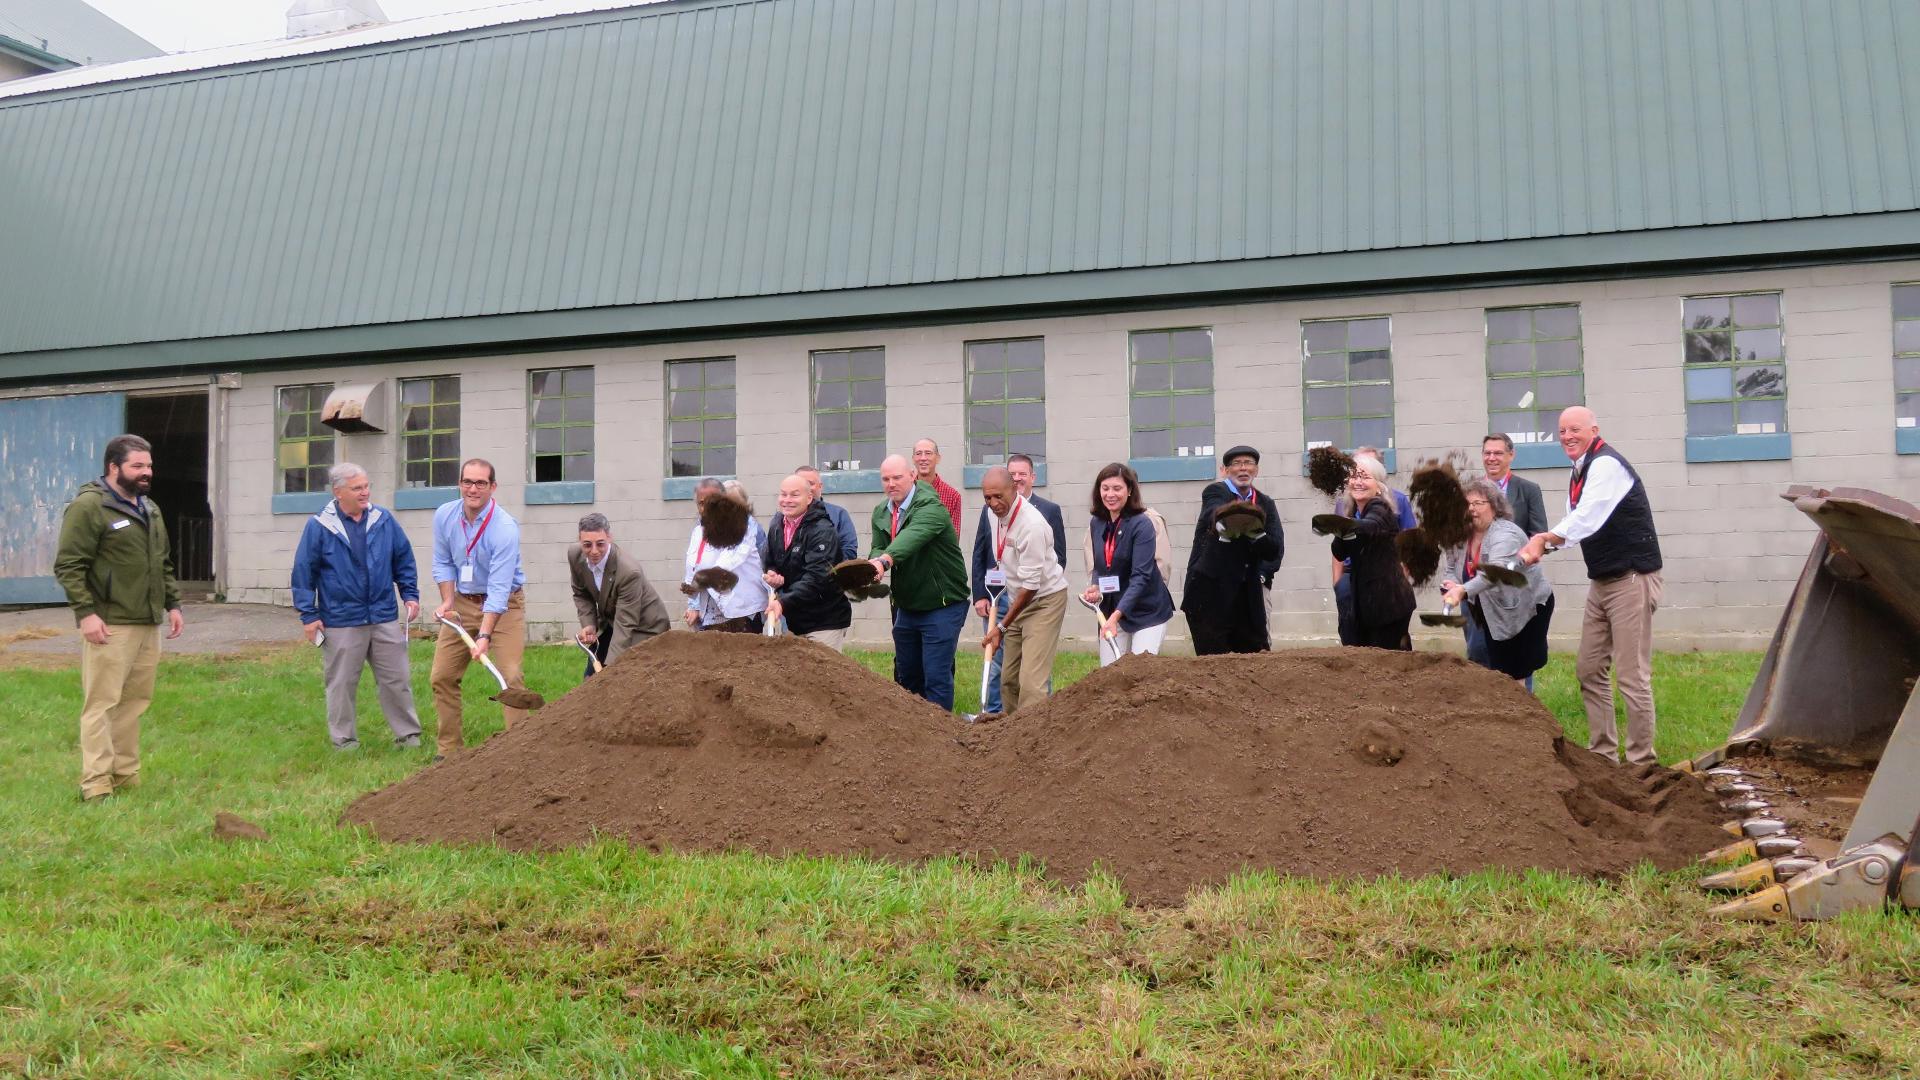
<point>348,649</point>
<point>450,660</point>
<point>1030,644</point>
<point>116,681</point>
<point>832,639</point>
<point>1616,634</point>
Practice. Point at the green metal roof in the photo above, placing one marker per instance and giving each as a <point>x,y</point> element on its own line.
<point>700,164</point>
<point>71,30</point>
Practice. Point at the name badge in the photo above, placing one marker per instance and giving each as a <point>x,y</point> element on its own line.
<point>121,524</point>
<point>466,573</point>
<point>1110,583</point>
<point>996,578</point>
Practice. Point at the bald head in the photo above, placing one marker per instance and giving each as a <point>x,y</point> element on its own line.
<point>896,477</point>
<point>1578,429</point>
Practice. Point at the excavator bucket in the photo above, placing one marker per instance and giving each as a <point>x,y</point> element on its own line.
<point>1838,679</point>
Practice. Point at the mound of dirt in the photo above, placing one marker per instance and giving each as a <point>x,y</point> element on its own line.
<point>1169,772</point>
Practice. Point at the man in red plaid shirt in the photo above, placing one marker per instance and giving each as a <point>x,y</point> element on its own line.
<point>926,463</point>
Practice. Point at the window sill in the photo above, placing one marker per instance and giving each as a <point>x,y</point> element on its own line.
<point>1168,469</point>
<point>974,474</point>
<point>1543,455</point>
<point>559,493</point>
<point>1706,448</point>
<point>1906,440</point>
<point>300,502</point>
<point>1390,458</point>
<point>423,498</point>
<point>680,488</point>
<point>851,482</point>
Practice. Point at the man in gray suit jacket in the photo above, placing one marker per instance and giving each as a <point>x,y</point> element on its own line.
<point>617,606</point>
<point>1529,508</point>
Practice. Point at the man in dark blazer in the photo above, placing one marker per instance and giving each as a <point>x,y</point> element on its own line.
<point>1529,508</point>
<point>1227,574</point>
<point>1020,467</point>
<point>617,606</point>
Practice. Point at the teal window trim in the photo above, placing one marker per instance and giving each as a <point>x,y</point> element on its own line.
<point>300,502</point>
<point>850,481</point>
<point>1162,470</point>
<point>1347,363</point>
<point>1771,446</point>
<point>973,474</point>
<point>566,461</point>
<point>1714,331</point>
<point>423,498</point>
<point>1540,456</point>
<point>434,418</point>
<point>304,448</point>
<point>559,493</point>
<point>680,488</point>
<point>1389,458</point>
<point>1536,367</point>
<point>1906,366</point>
<point>1170,372</point>
<point>1006,393</point>
<point>702,417</point>
<point>847,381</point>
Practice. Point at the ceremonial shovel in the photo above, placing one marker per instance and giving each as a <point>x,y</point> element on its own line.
<point>510,696</point>
<point>598,667</point>
<point>1446,616</point>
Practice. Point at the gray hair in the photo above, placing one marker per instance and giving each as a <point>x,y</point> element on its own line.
<point>708,483</point>
<point>739,491</point>
<point>338,476</point>
<point>595,523</point>
<point>1497,499</point>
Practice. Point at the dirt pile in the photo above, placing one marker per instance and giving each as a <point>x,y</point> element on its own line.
<point>1169,772</point>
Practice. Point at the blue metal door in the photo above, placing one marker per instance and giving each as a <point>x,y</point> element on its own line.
<point>49,446</point>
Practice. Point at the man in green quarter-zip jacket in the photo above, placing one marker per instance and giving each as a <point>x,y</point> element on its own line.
<point>118,575</point>
<point>913,538</point>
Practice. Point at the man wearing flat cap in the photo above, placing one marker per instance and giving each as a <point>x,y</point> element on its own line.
<point>1237,547</point>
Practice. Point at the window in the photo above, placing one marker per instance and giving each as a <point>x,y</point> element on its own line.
<point>700,417</point>
<point>1349,383</point>
<point>1736,365</point>
<point>1533,370</point>
<point>430,432</point>
<point>1006,400</point>
<point>1906,356</point>
<point>1172,393</point>
<point>306,445</point>
<point>560,424</point>
<point>849,409</point>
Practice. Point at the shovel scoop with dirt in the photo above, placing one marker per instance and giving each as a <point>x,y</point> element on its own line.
<point>859,580</point>
<point>513,697</point>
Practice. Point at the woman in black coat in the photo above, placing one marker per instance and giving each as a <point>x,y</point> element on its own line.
<point>802,546</point>
<point>1382,599</point>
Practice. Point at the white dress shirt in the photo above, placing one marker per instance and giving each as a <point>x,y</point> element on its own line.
<point>1607,483</point>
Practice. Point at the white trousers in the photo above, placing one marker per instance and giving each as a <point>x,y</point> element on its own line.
<point>1140,641</point>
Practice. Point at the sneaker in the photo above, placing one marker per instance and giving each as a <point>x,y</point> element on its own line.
<point>350,744</point>
<point>408,742</point>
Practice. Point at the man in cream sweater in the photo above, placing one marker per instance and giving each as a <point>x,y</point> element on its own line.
<point>1022,547</point>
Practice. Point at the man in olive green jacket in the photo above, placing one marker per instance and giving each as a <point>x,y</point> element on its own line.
<point>116,569</point>
<point>913,537</point>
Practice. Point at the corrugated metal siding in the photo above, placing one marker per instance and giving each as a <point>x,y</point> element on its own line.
<point>687,151</point>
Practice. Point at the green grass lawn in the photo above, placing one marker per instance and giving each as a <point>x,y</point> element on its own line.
<point>133,944</point>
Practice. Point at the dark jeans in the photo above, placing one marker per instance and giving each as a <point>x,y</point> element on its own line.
<point>599,650</point>
<point>1343,608</point>
<point>923,646</point>
<point>1476,633</point>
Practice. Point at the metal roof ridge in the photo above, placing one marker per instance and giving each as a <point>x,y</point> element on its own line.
<point>223,56</point>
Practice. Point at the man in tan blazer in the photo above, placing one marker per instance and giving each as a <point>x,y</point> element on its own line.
<point>617,606</point>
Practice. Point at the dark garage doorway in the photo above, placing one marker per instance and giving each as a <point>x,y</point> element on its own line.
<point>176,425</point>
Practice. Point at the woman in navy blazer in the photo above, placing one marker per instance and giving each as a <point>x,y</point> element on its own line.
<point>1134,600</point>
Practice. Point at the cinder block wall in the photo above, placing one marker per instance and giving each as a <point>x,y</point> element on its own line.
<point>1733,547</point>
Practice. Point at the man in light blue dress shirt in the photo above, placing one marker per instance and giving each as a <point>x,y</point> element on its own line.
<point>476,564</point>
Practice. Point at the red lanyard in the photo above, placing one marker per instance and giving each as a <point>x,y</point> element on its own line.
<point>895,530</point>
<point>484,522</point>
<point>701,553</point>
<point>1580,478</point>
<point>1008,531</point>
<point>1473,556</point>
<point>1113,534</point>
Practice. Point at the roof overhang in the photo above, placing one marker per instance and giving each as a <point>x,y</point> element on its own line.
<point>39,57</point>
<point>1655,253</point>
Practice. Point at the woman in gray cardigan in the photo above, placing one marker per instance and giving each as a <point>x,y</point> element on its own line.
<point>1513,618</point>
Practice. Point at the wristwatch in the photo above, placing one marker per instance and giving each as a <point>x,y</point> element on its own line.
<point>483,637</point>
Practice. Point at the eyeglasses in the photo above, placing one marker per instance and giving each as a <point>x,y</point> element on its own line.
<point>475,483</point>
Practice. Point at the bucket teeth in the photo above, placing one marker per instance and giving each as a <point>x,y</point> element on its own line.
<point>1767,905</point>
<point>1756,827</point>
<point>1746,806</point>
<point>1741,878</point>
<point>1731,853</point>
<point>1726,772</point>
<point>1733,788</point>
<point>1771,847</point>
<point>1789,867</point>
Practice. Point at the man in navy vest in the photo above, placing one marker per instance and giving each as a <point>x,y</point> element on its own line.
<point>1609,516</point>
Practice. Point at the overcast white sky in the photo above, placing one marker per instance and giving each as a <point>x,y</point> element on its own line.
<point>186,25</point>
